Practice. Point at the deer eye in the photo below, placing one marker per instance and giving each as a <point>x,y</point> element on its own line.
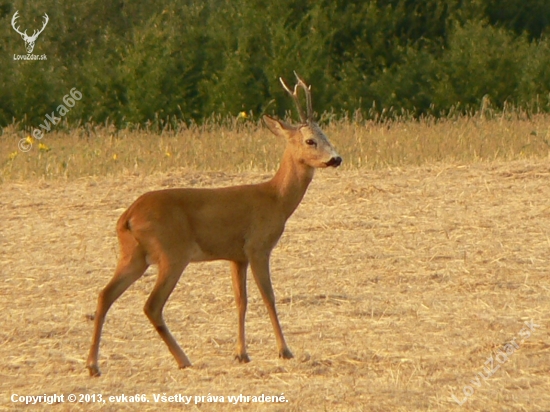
<point>311,142</point>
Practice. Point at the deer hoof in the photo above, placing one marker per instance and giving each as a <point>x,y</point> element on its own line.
<point>286,354</point>
<point>94,371</point>
<point>242,358</point>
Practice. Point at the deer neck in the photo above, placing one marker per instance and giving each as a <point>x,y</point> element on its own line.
<point>291,182</point>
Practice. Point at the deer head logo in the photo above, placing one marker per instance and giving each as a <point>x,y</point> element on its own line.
<point>29,40</point>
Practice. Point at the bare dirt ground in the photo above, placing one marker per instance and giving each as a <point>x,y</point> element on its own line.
<point>397,290</point>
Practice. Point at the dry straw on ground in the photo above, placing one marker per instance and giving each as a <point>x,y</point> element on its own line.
<point>394,287</point>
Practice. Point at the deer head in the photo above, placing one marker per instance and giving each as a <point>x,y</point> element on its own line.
<point>310,146</point>
<point>29,40</point>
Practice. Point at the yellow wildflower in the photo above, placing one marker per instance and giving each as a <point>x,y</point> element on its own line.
<point>29,140</point>
<point>168,154</point>
<point>115,156</point>
<point>242,115</point>
<point>43,148</point>
<point>12,155</point>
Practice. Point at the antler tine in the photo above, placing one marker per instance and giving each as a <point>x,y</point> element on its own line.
<point>294,96</point>
<point>307,90</point>
<point>15,17</point>
<point>285,86</point>
<point>46,20</point>
<point>14,21</point>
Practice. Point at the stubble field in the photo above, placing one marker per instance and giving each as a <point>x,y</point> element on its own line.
<point>395,287</point>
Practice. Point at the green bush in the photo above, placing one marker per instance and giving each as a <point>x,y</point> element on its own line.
<point>155,62</point>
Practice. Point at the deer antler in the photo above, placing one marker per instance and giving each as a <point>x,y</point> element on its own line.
<point>14,18</point>
<point>307,90</point>
<point>35,34</point>
<point>304,117</point>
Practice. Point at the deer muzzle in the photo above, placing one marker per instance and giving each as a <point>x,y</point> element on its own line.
<point>334,161</point>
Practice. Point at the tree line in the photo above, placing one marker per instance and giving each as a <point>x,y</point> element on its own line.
<point>146,62</point>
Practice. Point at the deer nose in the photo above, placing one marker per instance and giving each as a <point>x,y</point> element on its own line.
<point>335,161</point>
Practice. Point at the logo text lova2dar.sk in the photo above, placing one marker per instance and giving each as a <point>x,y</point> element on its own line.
<point>29,40</point>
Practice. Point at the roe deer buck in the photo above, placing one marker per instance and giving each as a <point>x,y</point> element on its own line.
<point>241,224</point>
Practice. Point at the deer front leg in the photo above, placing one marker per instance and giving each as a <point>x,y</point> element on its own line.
<point>260,269</point>
<point>238,275</point>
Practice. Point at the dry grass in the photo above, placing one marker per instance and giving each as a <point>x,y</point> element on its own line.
<point>394,286</point>
<point>237,146</point>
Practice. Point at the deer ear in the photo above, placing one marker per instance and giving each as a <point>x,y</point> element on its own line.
<point>278,127</point>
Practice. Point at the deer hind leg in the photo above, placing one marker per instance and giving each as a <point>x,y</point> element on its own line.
<point>131,266</point>
<point>170,271</point>
<point>238,275</point>
<point>259,264</point>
